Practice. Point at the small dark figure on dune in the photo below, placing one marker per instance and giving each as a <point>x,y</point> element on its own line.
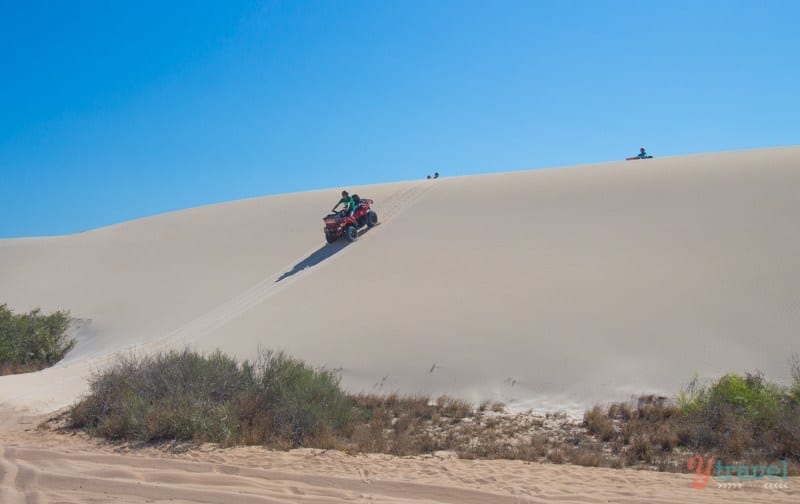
<point>642,155</point>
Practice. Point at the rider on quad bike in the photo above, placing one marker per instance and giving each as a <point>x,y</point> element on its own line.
<point>348,202</point>
<point>357,214</point>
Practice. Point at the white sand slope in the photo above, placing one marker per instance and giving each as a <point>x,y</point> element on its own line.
<point>551,289</point>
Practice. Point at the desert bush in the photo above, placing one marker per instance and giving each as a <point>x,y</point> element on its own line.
<point>498,407</point>
<point>302,398</point>
<point>652,408</point>
<point>641,448</point>
<point>749,397</point>
<point>598,423</point>
<point>587,454</point>
<point>419,406</point>
<point>276,400</point>
<point>453,407</point>
<point>32,341</point>
<point>187,396</point>
<point>557,456</point>
<point>538,446</point>
<point>735,417</point>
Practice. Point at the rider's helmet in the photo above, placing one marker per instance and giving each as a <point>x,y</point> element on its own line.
<point>641,150</point>
<point>344,194</point>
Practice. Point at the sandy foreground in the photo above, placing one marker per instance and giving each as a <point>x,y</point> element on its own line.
<point>547,289</point>
<point>48,467</point>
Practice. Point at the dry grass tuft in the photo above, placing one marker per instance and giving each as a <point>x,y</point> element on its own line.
<point>598,423</point>
<point>453,408</point>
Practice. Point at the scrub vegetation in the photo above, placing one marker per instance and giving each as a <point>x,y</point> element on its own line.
<point>32,341</point>
<point>283,403</point>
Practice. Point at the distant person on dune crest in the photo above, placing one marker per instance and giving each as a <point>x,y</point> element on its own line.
<point>642,155</point>
<point>348,202</point>
<point>436,175</point>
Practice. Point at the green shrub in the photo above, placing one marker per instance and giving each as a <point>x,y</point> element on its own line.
<point>735,417</point>
<point>32,341</point>
<point>304,399</point>
<point>188,396</point>
<point>747,396</point>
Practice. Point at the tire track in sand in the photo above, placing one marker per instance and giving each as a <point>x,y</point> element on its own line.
<point>233,308</point>
<point>71,476</point>
<point>9,472</point>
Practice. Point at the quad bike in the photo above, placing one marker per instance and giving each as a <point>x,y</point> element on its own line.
<point>341,224</point>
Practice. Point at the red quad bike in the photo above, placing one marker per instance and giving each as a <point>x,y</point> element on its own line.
<point>340,224</point>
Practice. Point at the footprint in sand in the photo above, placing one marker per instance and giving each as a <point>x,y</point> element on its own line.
<point>364,474</point>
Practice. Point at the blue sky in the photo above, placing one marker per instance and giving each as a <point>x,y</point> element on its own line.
<point>118,110</point>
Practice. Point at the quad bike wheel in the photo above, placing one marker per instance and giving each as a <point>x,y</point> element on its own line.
<point>372,218</point>
<point>350,233</point>
<point>330,238</point>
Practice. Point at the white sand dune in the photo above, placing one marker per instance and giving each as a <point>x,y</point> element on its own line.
<point>550,289</point>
